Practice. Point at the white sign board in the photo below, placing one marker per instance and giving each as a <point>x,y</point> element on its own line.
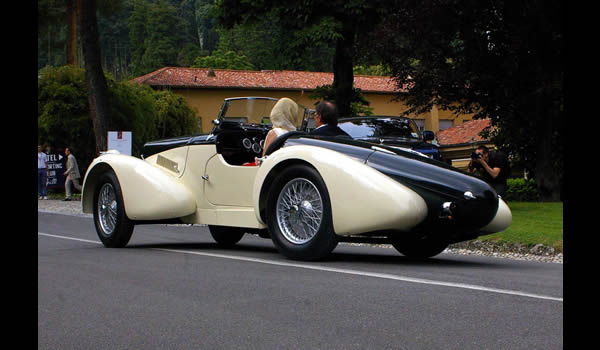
<point>120,141</point>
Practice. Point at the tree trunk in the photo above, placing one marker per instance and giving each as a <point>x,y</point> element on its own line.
<point>94,75</point>
<point>547,177</point>
<point>343,75</point>
<point>71,32</point>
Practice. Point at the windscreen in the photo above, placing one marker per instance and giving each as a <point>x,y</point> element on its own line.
<point>254,111</point>
<point>380,128</point>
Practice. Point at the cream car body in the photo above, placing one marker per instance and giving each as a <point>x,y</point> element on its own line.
<point>217,193</point>
<point>344,190</point>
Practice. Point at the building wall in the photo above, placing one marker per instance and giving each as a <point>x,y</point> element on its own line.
<point>450,118</point>
<point>207,103</point>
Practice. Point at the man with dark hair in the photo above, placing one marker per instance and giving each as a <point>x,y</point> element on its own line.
<point>492,168</point>
<point>326,120</point>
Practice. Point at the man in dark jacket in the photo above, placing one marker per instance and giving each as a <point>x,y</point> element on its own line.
<point>326,120</point>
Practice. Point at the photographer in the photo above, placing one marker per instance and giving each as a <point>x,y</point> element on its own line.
<point>492,168</point>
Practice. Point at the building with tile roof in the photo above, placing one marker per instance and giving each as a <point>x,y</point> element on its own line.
<point>205,89</point>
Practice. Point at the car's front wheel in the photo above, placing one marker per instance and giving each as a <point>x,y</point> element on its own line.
<point>112,225</point>
<point>299,214</point>
<point>226,236</point>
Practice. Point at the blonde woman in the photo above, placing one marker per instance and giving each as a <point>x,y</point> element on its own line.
<point>283,117</point>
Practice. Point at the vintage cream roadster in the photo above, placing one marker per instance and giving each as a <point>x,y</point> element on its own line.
<point>308,194</point>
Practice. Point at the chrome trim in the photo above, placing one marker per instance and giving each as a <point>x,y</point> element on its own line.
<point>469,195</point>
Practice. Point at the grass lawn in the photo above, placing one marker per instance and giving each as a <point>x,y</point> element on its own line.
<point>533,223</point>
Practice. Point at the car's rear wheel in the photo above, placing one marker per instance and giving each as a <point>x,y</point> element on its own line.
<point>299,214</point>
<point>226,236</point>
<point>419,248</point>
<point>112,225</point>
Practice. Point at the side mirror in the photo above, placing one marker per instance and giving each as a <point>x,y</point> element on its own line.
<point>428,135</point>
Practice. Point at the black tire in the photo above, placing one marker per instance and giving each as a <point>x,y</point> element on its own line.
<point>303,231</point>
<point>226,236</point>
<point>112,225</point>
<point>419,248</point>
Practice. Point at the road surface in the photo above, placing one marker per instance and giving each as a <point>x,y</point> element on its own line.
<point>172,287</point>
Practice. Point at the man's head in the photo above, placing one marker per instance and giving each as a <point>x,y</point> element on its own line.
<point>483,151</point>
<point>67,151</point>
<point>326,113</point>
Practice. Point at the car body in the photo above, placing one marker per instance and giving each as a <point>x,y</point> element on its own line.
<point>398,132</point>
<point>307,194</point>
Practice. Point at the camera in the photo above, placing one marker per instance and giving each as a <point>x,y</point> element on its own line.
<point>475,165</point>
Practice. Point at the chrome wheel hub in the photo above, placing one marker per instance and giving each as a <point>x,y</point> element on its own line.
<point>107,208</point>
<point>299,211</point>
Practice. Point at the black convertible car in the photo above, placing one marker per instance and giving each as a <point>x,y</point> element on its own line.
<point>397,132</point>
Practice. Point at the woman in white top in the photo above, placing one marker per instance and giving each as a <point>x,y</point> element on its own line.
<point>283,117</point>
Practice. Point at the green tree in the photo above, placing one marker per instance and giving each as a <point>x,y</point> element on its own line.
<point>174,117</point>
<point>64,117</point>
<point>268,47</point>
<point>138,32</point>
<point>359,104</point>
<point>63,111</point>
<point>57,29</point>
<point>336,23</point>
<point>224,60</point>
<point>114,37</point>
<point>378,69</point>
<point>501,59</point>
<point>207,34</point>
<point>153,34</point>
<point>94,75</point>
<point>52,34</point>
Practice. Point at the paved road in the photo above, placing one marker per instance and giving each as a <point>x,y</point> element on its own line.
<point>173,288</point>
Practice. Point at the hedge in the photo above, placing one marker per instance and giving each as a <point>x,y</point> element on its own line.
<point>64,118</point>
<point>522,190</point>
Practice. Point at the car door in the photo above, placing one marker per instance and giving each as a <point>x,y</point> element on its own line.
<point>228,184</point>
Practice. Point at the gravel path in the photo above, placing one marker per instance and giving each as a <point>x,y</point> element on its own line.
<point>474,247</point>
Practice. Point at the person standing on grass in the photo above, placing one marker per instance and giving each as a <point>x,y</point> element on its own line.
<point>42,174</point>
<point>72,174</point>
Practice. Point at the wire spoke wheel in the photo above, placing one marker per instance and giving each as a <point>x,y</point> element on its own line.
<point>299,214</point>
<point>299,211</point>
<point>112,224</point>
<point>107,208</point>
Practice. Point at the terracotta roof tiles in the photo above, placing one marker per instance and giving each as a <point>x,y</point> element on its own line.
<point>180,77</point>
<point>467,132</point>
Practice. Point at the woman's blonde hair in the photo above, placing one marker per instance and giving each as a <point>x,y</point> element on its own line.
<point>284,114</point>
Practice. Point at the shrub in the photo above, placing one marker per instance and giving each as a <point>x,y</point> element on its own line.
<point>63,112</point>
<point>64,118</point>
<point>522,190</point>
